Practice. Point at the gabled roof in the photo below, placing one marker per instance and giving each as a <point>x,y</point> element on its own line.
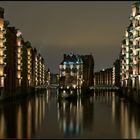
<point>72,59</point>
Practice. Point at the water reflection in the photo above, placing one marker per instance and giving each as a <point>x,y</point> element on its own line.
<point>79,117</point>
<point>101,115</point>
<point>129,119</point>
<point>74,116</point>
<point>22,119</point>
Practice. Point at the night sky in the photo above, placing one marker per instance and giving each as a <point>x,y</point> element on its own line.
<point>55,28</point>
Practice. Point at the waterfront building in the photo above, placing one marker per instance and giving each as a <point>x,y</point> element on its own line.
<point>47,77</point>
<point>104,77</point>
<point>40,63</point>
<point>135,21</point>
<point>39,69</point>
<point>13,60</point>
<point>27,67</point>
<point>10,58</point>
<point>19,49</point>
<point>3,48</point>
<point>71,71</point>
<point>88,70</point>
<point>34,67</point>
<point>21,67</point>
<point>116,73</point>
<point>130,55</point>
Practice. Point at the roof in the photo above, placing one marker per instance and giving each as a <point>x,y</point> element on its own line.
<point>72,59</point>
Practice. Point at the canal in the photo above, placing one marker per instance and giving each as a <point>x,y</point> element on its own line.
<point>102,115</point>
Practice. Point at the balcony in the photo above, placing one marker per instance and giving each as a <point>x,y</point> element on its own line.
<point>137,47</point>
<point>137,37</point>
<point>137,27</point>
<point>137,16</point>
<point>131,17</point>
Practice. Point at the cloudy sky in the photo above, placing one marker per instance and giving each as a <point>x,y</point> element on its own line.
<point>59,27</point>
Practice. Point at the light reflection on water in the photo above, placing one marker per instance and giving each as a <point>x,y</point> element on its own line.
<point>102,115</point>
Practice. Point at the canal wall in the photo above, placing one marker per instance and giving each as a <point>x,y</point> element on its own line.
<point>20,93</point>
<point>132,94</point>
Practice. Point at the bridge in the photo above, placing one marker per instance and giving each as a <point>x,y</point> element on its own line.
<point>104,87</point>
<point>47,86</point>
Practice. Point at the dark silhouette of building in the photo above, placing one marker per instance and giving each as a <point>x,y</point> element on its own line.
<point>10,68</point>
<point>88,70</point>
<point>116,73</point>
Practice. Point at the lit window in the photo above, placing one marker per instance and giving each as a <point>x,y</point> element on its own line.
<point>18,61</point>
<point>18,74</point>
<point>126,34</point>
<point>1,60</point>
<point>18,42</point>
<point>134,11</point>
<point>19,50</point>
<point>127,61</point>
<point>1,71</point>
<point>28,77</point>
<point>127,55</point>
<point>28,51</point>
<point>1,52</point>
<point>18,67</point>
<point>18,55</point>
<point>1,35</point>
<point>127,49</point>
<point>1,81</point>
<point>1,23</point>
<point>127,41</point>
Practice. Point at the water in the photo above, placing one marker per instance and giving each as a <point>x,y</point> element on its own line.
<point>102,115</point>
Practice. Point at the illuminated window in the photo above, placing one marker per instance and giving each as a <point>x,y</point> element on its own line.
<point>36,59</point>
<point>1,70</point>
<point>19,82</point>
<point>18,42</point>
<point>1,60</point>
<point>1,35</point>
<point>18,74</point>
<point>18,55</point>
<point>18,61</point>
<point>127,41</point>
<point>135,33</point>
<point>127,55</point>
<point>127,67</point>
<point>29,71</point>
<point>134,42</point>
<point>1,52</point>
<point>127,49</point>
<point>28,66</point>
<point>29,77</point>
<point>28,52</point>
<point>1,23</point>
<point>77,66</point>
<point>18,67</point>
<point>1,81</point>
<point>127,61</point>
<point>19,49</point>
<point>134,11</point>
<point>134,52</point>
<point>1,43</point>
<point>29,62</point>
<point>126,34</point>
